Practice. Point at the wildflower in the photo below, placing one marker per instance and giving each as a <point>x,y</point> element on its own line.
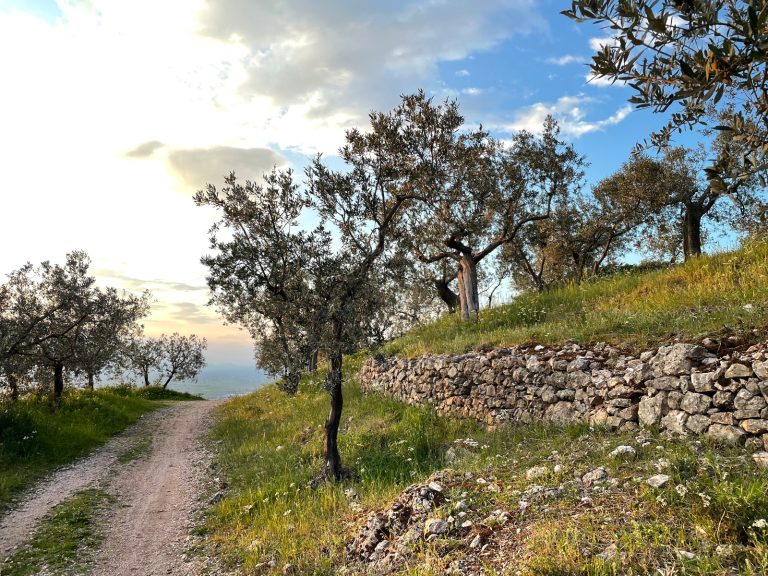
<point>682,490</point>
<point>762,524</point>
<point>705,499</point>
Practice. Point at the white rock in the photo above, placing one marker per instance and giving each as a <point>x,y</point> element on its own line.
<point>761,459</point>
<point>536,472</point>
<point>623,451</point>
<point>657,481</point>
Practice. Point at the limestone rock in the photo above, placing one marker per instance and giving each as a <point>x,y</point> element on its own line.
<point>623,451</point>
<point>657,481</point>
<point>726,434</point>
<point>436,526</point>
<point>675,421</point>
<point>561,413</point>
<point>695,403</point>
<point>665,383</point>
<point>698,423</point>
<point>755,426</point>
<point>739,371</point>
<point>678,359</point>
<point>596,476</point>
<point>761,459</point>
<point>760,369</point>
<point>651,409</point>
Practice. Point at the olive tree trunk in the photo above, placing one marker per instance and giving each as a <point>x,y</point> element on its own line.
<point>13,384</point>
<point>332,465</point>
<point>692,232</point>
<point>468,293</point>
<point>58,385</point>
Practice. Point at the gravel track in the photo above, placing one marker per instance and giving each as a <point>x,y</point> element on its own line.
<point>157,495</point>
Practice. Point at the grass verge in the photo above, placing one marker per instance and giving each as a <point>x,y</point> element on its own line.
<point>708,519</point>
<point>66,539</point>
<point>631,308</point>
<point>34,441</point>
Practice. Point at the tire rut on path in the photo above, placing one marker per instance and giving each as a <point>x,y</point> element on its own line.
<point>158,497</point>
<point>18,523</point>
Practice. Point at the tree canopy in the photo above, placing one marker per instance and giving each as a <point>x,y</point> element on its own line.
<point>708,56</point>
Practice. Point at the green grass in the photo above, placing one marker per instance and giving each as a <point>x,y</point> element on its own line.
<point>630,308</point>
<point>270,449</point>
<point>66,538</point>
<point>703,522</point>
<point>34,441</point>
<point>160,393</point>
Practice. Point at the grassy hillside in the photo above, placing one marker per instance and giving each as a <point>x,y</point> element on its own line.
<point>709,517</point>
<point>633,308</point>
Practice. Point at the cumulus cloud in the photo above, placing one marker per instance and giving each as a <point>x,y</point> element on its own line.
<point>341,59</point>
<point>197,167</point>
<point>598,43</point>
<point>601,81</point>
<point>571,114</point>
<point>565,60</point>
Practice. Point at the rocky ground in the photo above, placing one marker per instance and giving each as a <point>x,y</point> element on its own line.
<point>491,522</point>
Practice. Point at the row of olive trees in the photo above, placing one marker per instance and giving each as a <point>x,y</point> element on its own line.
<point>419,191</point>
<point>54,320</point>
<point>424,201</point>
<point>173,357</point>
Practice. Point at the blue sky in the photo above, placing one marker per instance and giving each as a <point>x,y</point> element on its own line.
<point>115,112</point>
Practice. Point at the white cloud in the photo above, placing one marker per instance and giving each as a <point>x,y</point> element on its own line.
<point>472,91</point>
<point>597,43</point>
<point>601,81</point>
<point>565,60</point>
<point>462,73</point>
<point>339,60</point>
<point>571,114</point>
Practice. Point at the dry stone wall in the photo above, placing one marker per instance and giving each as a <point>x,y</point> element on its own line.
<point>685,388</point>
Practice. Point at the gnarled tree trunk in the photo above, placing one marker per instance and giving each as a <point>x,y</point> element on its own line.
<point>448,296</point>
<point>90,380</point>
<point>468,285</point>
<point>58,385</point>
<point>332,458</point>
<point>692,232</point>
<point>13,384</point>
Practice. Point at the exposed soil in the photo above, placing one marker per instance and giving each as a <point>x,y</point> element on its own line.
<point>157,495</point>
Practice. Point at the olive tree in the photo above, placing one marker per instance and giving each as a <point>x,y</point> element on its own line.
<point>708,56</point>
<point>141,355</point>
<point>54,317</point>
<point>316,286</point>
<point>181,357</point>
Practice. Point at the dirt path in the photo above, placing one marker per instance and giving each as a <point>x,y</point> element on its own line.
<point>157,495</point>
<point>17,524</point>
